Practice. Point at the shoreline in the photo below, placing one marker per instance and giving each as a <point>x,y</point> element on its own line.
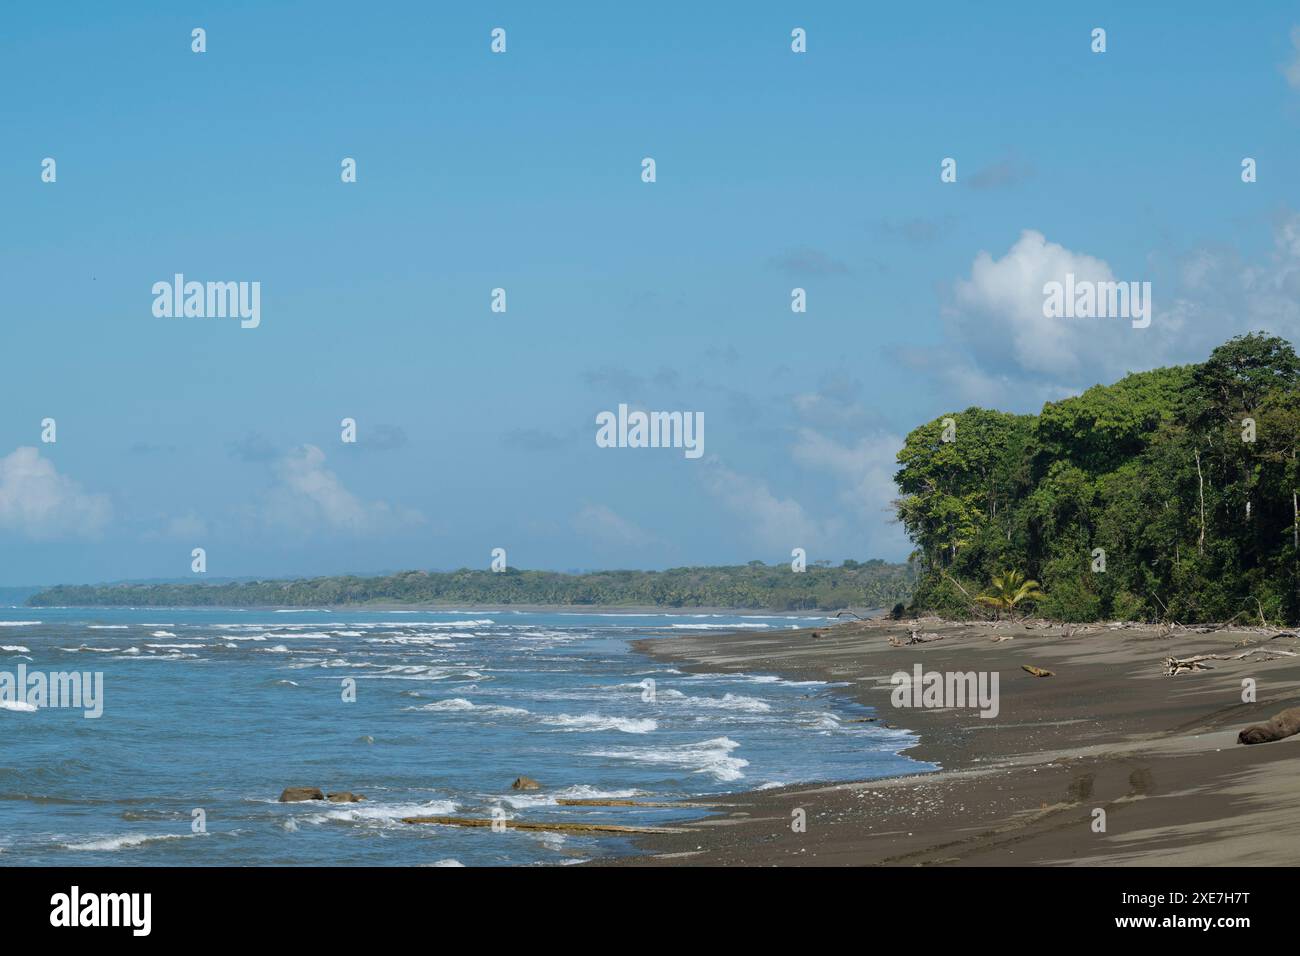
<point>628,609</point>
<point>1157,755</point>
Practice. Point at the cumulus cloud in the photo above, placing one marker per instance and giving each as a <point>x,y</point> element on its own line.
<point>775,523</point>
<point>605,526</point>
<point>999,312</point>
<point>309,496</point>
<point>1004,352</point>
<point>38,502</point>
<point>864,470</point>
<point>866,467</point>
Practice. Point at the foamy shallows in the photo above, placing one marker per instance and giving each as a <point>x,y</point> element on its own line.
<point>424,713</point>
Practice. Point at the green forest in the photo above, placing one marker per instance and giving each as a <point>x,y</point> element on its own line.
<point>1170,495</point>
<point>753,586</point>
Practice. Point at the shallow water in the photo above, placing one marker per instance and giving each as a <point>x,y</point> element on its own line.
<point>219,710</point>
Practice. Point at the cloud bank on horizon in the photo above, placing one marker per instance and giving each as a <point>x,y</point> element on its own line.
<point>500,269</point>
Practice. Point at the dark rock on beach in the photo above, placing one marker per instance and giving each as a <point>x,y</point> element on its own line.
<point>298,794</point>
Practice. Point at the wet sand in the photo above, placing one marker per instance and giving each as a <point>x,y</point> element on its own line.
<point>1108,731</point>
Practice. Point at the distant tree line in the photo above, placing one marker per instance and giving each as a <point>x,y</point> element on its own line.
<point>753,586</point>
<point>1169,495</point>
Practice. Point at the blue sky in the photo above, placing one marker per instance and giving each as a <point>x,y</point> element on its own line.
<point>522,170</point>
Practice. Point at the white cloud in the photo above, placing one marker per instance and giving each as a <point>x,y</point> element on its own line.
<point>308,496</point>
<point>999,312</point>
<point>604,525</point>
<point>867,467</point>
<point>774,523</point>
<point>866,470</point>
<point>35,500</point>
<point>1004,353</point>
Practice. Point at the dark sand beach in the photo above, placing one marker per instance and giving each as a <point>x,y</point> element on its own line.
<point>1109,730</point>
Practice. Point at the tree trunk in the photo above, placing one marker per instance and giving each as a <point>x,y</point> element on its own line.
<point>1200,482</point>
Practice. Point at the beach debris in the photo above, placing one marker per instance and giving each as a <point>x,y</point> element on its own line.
<point>916,637</point>
<point>549,827</point>
<point>345,796</point>
<point>999,638</point>
<point>525,783</point>
<point>1183,665</point>
<point>298,794</point>
<point>1279,727</point>
<point>815,635</point>
<point>1036,671</point>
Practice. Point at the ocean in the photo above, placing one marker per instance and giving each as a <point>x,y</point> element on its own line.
<point>207,714</point>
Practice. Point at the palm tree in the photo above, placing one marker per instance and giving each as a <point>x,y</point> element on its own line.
<point>1009,589</point>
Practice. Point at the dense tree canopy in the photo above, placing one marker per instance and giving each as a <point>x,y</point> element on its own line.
<point>1170,495</point>
<point>755,586</point>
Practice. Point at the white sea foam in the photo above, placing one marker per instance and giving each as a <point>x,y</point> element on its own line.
<point>525,800</point>
<point>162,634</point>
<point>18,623</point>
<point>15,648</point>
<point>379,814</point>
<point>18,705</point>
<point>628,725</point>
<point>126,841</point>
<point>454,704</point>
<point>719,627</point>
<point>750,705</point>
<point>708,756</point>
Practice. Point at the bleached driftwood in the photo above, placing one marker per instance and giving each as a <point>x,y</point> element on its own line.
<point>1183,665</point>
<point>916,638</point>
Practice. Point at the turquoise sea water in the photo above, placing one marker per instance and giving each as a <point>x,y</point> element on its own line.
<point>219,710</point>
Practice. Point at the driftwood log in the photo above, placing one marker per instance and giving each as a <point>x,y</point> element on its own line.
<point>1185,665</point>
<point>1279,727</point>
<point>916,637</point>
